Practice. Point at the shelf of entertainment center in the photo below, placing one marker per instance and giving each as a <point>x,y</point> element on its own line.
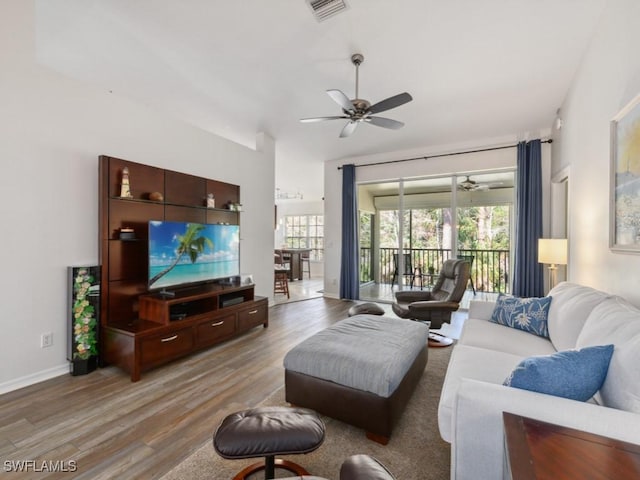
<point>192,302</point>
<point>173,204</point>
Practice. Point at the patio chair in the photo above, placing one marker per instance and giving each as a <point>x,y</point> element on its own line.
<point>409,271</point>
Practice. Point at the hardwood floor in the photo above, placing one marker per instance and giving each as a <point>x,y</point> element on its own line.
<point>112,428</point>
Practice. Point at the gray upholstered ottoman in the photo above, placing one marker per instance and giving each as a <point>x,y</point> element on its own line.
<point>361,370</point>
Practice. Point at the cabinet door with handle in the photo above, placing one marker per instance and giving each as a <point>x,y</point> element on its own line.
<point>253,316</point>
<point>215,330</point>
<point>157,349</point>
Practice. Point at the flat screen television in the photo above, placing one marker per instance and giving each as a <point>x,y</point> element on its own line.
<point>184,253</point>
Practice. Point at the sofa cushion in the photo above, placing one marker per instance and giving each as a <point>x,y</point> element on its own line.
<point>569,310</point>
<point>573,374</point>
<point>528,314</point>
<point>616,321</point>
<point>475,363</point>
<point>485,334</point>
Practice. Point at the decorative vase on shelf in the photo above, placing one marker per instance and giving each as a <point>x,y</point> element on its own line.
<point>84,307</point>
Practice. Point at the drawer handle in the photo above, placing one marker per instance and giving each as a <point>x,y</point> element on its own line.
<point>169,339</point>
<point>217,324</point>
<point>252,312</point>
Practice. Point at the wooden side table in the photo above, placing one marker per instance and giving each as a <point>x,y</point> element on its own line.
<point>536,450</point>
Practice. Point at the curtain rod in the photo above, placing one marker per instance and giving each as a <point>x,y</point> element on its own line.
<point>427,157</point>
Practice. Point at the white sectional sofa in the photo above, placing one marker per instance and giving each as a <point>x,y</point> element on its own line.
<point>473,396</point>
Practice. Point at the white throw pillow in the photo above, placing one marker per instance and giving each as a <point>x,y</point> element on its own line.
<point>616,321</point>
<point>571,306</point>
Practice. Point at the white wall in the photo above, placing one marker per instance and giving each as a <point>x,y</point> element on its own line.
<point>52,130</point>
<point>491,160</point>
<point>607,80</point>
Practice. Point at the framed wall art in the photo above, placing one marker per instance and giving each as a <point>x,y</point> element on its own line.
<point>624,229</point>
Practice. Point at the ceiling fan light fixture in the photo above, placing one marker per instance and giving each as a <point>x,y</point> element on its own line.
<point>358,110</point>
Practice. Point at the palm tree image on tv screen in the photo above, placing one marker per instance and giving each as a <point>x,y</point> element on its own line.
<point>185,253</point>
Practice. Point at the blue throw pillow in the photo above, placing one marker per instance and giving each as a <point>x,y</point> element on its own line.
<point>528,314</point>
<point>574,374</point>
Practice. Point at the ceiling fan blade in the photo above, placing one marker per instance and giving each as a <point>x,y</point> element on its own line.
<point>341,99</point>
<point>391,102</point>
<point>385,122</point>
<point>348,129</point>
<point>321,119</point>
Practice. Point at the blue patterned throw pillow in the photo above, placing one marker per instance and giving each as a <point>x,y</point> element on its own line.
<point>528,314</point>
<point>574,374</point>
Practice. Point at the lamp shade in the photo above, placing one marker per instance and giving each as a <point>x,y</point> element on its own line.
<point>552,251</point>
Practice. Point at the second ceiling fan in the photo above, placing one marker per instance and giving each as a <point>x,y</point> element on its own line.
<point>358,110</point>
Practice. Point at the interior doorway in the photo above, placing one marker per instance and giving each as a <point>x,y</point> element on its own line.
<point>299,239</point>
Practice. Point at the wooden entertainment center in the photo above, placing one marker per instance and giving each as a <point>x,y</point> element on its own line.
<point>139,329</point>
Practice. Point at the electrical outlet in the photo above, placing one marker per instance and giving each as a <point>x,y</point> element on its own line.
<point>46,340</point>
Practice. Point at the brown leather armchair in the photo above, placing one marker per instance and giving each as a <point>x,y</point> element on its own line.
<point>443,299</point>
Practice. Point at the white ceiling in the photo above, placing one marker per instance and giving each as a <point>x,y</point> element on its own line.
<point>477,69</point>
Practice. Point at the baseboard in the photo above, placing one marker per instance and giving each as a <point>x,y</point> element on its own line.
<point>28,380</point>
<point>331,295</point>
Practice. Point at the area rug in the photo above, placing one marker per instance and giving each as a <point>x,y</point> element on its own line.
<point>414,452</point>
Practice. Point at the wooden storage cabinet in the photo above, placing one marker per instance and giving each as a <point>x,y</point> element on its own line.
<point>141,331</point>
<point>142,344</point>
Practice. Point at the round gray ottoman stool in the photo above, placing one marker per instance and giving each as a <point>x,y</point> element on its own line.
<point>268,432</point>
<point>367,308</point>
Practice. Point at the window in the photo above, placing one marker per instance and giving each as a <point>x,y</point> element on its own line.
<point>306,231</point>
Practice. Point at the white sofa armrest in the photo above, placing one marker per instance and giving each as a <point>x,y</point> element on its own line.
<point>482,310</point>
<point>477,448</point>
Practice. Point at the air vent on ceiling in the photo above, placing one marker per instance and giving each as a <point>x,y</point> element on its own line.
<point>323,9</point>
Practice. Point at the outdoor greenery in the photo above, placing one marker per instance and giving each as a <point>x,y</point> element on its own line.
<point>482,231</point>
<point>479,228</point>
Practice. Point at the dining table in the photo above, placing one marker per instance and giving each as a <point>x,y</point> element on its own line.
<point>295,260</point>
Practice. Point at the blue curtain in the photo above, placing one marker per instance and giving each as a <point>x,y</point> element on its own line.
<point>528,273</point>
<point>349,274</point>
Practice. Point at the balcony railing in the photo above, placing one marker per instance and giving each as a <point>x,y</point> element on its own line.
<point>489,268</point>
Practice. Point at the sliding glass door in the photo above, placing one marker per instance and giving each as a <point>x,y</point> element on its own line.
<point>484,222</point>
<point>410,227</point>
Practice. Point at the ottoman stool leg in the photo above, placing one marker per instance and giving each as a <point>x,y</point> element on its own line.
<point>269,466</point>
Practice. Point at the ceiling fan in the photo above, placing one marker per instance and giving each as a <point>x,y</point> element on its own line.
<point>469,185</point>
<point>359,110</point>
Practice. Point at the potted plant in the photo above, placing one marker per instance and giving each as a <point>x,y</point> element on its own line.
<point>85,338</point>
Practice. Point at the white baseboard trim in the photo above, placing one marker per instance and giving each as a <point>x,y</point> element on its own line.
<point>28,380</point>
<point>331,295</point>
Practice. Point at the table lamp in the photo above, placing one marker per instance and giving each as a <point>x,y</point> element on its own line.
<point>552,251</point>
